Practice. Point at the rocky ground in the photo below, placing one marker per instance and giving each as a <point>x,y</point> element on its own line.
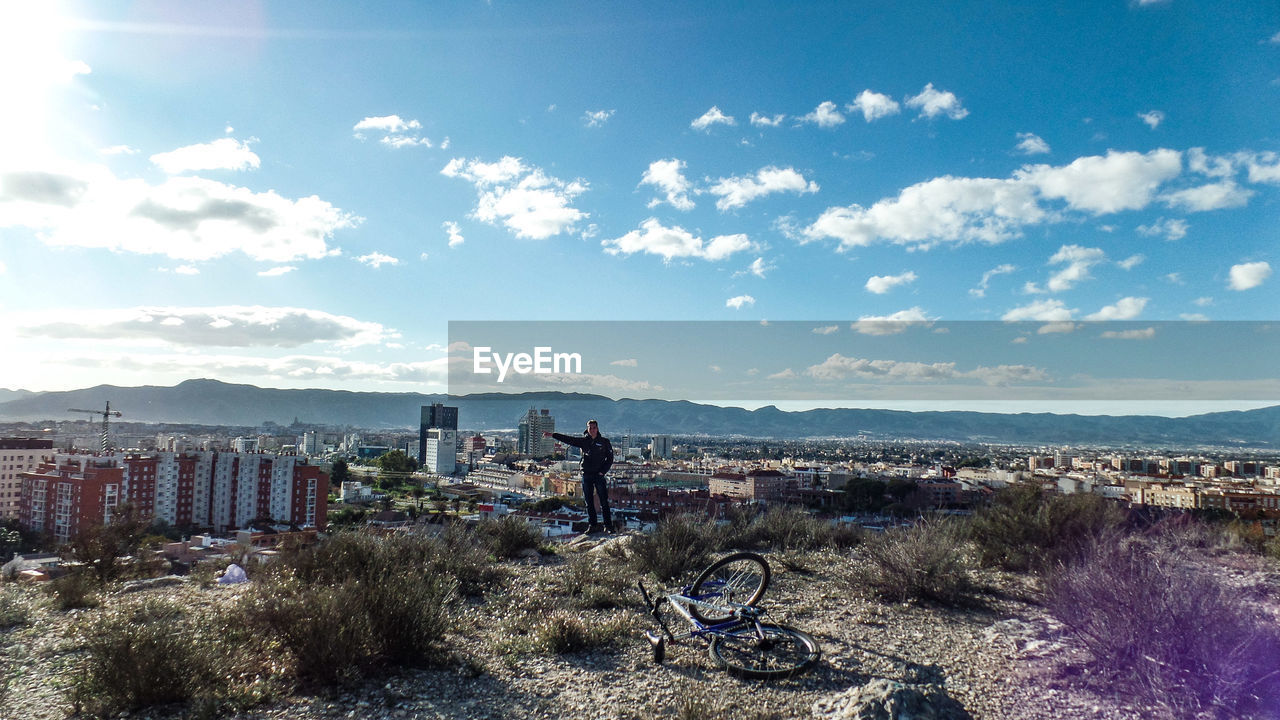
<point>1008,659</point>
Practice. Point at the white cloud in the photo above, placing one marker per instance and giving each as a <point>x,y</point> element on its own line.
<point>277,271</point>
<point>981,290</point>
<point>1214,196</point>
<point>767,120</point>
<point>873,105</point>
<point>943,209</point>
<point>736,192</point>
<point>826,330</point>
<point>1275,39</point>
<point>1152,118</point>
<point>675,242</point>
<point>1048,310</point>
<point>1126,308</point>
<point>666,175</point>
<point>840,367</point>
<point>1132,261</point>
<point>932,103</point>
<point>1199,161</point>
<point>1105,184</point>
<point>394,130</point>
<point>187,270</point>
<point>881,284</point>
<point>1202,301</point>
<point>530,203</point>
<point>787,374</point>
<point>221,154</point>
<point>1142,334</point>
<point>119,150</point>
<point>596,118</point>
<point>455,233</point>
<point>891,324</point>
<point>759,267</point>
<point>739,302</point>
<point>1262,167</point>
<point>376,260</point>
<point>712,117</point>
<point>1174,278</point>
<point>387,124</point>
<point>1247,276</point>
<point>1032,144</point>
<point>1078,260</point>
<point>825,115</point>
<point>1172,229</point>
<point>185,218</point>
<point>628,362</point>
<point>1194,317</point>
<point>227,326</point>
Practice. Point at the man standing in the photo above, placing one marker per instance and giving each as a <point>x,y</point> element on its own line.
<point>597,458</point>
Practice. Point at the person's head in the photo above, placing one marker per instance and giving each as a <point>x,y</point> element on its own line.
<point>593,429</point>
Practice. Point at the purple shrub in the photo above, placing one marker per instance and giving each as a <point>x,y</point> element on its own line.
<point>1168,630</point>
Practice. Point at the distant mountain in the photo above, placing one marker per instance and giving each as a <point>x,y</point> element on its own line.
<point>7,394</point>
<point>211,402</point>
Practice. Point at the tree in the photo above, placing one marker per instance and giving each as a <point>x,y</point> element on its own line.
<point>99,546</point>
<point>396,461</point>
<point>339,473</point>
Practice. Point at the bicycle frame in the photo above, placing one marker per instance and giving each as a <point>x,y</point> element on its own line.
<point>681,602</point>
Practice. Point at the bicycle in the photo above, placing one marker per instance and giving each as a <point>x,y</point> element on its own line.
<point>720,607</point>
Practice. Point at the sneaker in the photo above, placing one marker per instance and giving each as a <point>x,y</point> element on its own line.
<point>595,529</point>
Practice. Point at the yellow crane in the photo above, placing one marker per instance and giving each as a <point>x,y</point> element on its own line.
<point>106,419</point>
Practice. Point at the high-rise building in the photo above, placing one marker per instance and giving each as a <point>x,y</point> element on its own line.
<point>439,416</point>
<point>660,447</point>
<point>18,455</point>
<point>532,427</point>
<point>440,455</point>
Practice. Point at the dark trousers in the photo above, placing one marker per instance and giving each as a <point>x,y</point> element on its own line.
<point>592,482</point>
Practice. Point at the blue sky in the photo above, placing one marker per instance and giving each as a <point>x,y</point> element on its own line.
<point>305,194</point>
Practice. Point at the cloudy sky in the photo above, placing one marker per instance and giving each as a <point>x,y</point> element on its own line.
<point>305,194</point>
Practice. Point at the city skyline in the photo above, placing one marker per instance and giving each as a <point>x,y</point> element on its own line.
<point>305,195</point>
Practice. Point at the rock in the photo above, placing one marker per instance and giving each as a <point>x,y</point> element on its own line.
<point>151,583</point>
<point>883,699</point>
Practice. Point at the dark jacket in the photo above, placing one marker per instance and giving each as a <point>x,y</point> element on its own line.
<point>597,454</point>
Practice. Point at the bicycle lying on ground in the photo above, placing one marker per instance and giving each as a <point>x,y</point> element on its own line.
<point>720,607</point>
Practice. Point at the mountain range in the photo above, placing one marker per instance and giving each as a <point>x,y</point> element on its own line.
<point>212,402</point>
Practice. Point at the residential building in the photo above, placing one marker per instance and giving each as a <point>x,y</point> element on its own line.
<point>219,490</point>
<point>440,454</point>
<point>437,416</point>
<point>660,447</point>
<point>18,455</point>
<point>532,428</point>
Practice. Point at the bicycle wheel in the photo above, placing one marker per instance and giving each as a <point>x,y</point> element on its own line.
<point>739,578</point>
<point>783,652</point>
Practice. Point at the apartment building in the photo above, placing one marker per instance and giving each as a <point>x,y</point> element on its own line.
<point>223,491</point>
<point>18,455</point>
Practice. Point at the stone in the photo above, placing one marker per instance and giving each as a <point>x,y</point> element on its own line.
<point>883,699</point>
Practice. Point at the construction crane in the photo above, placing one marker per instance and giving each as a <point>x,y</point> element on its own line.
<point>106,419</point>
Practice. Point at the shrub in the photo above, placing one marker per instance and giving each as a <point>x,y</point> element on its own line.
<point>1022,530</point>
<point>1170,632</point>
<point>15,611</point>
<point>562,632</point>
<point>596,584</point>
<point>508,536</point>
<point>680,544</point>
<point>76,589</point>
<point>790,528</point>
<point>380,600</point>
<point>156,653</point>
<point>929,561</point>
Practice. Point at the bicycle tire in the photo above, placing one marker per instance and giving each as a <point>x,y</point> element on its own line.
<point>740,578</point>
<point>784,652</point>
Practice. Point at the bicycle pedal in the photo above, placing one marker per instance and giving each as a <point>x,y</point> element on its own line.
<point>659,644</point>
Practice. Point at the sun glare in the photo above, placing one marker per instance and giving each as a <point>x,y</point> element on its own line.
<point>32,64</point>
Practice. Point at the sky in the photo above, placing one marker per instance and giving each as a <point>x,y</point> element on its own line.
<point>307,194</point>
